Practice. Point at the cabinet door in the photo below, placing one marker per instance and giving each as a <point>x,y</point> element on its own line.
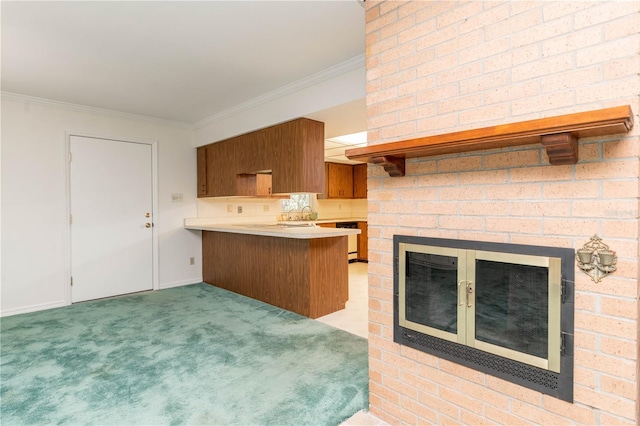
<point>363,241</point>
<point>252,153</point>
<point>360,181</point>
<point>340,180</point>
<point>327,225</point>
<point>221,169</point>
<point>202,171</point>
<point>253,185</point>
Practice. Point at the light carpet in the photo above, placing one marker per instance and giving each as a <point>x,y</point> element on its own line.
<point>189,355</point>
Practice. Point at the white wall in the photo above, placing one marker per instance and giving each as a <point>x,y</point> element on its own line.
<point>34,199</point>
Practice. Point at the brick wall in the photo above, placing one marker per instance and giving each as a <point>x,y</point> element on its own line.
<point>439,67</point>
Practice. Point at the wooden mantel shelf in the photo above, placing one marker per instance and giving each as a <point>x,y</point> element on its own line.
<point>558,134</point>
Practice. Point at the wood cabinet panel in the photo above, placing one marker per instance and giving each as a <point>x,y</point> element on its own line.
<point>298,156</point>
<point>252,153</point>
<point>339,180</point>
<point>360,181</point>
<point>363,241</point>
<point>202,171</point>
<point>306,276</point>
<point>327,225</point>
<point>221,169</point>
<point>253,185</point>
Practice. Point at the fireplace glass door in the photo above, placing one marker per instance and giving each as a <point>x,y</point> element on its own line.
<point>430,300</point>
<point>503,303</point>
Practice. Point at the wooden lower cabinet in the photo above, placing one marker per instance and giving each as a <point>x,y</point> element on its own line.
<point>363,241</point>
<point>306,276</point>
<point>327,225</point>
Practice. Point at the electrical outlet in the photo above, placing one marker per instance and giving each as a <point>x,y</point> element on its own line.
<point>265,208</point>
<point>192,261</point>
<point>176,198</point>
<point>229,208</point>
<point>239,209</point>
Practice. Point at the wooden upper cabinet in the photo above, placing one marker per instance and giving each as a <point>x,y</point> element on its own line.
<point>298,156</point>
<point>339,178</point>
<point>339,181</point>
<point>292,151</point>
<point>256,185</point>
<point>360,181</point>
<point>252,153</point>
<point>221,169</point>
<point>202,171</point>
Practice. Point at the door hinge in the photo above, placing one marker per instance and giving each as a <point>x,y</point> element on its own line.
<point>71,281</point>
<point>563,290</point>
<point>70,219</point>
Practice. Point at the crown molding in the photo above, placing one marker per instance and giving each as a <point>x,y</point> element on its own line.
<point>313,79</point>
<point>16,97</point>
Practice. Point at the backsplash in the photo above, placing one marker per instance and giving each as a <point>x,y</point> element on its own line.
<point>226,210</point>
<point>342,209</point>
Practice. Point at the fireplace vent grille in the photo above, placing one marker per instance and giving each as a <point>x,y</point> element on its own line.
<point>517,372</point>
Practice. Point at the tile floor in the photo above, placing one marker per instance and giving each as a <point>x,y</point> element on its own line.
<point>354,319</point>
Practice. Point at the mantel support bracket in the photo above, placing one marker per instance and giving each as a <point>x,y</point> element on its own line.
<point>392,165</point>
<point>562,148</point>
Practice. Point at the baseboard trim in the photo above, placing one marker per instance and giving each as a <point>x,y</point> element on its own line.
<point>32,308</point>
<point>62,303</point>
<point>180,283</point>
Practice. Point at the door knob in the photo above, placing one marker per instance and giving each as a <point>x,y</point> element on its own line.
<point>147,225</point>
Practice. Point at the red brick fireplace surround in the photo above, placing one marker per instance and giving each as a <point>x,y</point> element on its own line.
<point>436,68</point>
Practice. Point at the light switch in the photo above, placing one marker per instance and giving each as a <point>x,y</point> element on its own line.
<point>176,198</point>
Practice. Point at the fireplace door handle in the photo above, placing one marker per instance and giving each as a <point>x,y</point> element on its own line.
<point>466,285</point>
<point>468,293</point>
<point>460,283</point>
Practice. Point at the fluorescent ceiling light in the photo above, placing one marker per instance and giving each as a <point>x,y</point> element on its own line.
<point>352,139</point>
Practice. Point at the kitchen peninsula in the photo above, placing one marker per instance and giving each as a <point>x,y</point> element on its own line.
<point>303,269</point>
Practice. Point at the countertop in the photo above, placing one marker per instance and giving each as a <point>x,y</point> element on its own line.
<point>275,230</point>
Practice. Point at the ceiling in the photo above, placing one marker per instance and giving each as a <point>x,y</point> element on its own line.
<point>176,60</point>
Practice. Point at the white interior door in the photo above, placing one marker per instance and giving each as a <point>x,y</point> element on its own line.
<point>111,195</point>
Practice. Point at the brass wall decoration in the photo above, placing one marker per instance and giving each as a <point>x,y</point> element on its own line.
<point>596,259</point>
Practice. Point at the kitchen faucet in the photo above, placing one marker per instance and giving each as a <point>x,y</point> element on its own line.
<point>289,215</point>
<point>311,213</point>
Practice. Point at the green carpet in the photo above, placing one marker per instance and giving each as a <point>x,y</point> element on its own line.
<point>189,355</point>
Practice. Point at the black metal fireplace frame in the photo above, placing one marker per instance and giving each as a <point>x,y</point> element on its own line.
<point>559,385</point>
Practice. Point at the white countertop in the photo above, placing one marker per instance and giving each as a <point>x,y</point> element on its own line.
<point>275,230</point>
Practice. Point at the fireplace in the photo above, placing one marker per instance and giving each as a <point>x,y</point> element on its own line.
<point>503,309</point>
